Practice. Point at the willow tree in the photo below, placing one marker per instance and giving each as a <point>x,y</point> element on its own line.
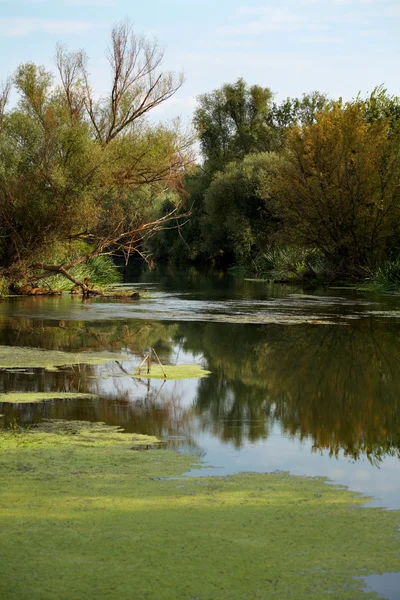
<point>74,166</point>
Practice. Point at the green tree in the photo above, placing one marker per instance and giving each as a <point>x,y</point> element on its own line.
<point>72,168</point>
<point>232,122</point>
<point>184,241</point>
<point>294,111</point>
<point>239,215</point>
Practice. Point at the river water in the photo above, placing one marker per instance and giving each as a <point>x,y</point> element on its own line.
<point>305,382</point>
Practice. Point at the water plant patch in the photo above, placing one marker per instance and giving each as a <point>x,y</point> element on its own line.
<point>93,519</point>
<point>34,397</point>
<point>17,357</point>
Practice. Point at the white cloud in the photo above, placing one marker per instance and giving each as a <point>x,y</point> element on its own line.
<point>235,44</point>
<point>15,27</point>
<point>360,14</point>
<point>269,19</point>
<point>321,39</point>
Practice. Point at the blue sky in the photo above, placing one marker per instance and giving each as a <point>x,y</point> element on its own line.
<point>339,47</point>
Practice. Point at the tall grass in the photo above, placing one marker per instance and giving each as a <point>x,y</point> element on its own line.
<point>290,264</point>
<point>100,270</point>
<point>384,279</point>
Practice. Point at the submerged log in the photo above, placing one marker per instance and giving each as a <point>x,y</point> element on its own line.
<point>99,294</point>
<point>37,291</point>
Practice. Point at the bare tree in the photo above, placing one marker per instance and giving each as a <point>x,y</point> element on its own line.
<point>138,83</point>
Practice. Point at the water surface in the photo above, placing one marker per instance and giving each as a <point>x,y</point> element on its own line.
<point>301,381</point>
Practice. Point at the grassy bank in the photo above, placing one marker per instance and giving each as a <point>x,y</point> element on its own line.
<point>85,514</point>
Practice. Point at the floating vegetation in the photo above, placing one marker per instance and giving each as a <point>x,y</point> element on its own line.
<point>87,431</point>
<point>74,496</point>
<point>22,358</point>
<point>34,397</point>
<point>171,372</point>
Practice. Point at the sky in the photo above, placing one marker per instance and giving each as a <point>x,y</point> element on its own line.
<point>339,47</point>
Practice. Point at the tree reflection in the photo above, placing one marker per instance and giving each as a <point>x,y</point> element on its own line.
<point>336,385</point>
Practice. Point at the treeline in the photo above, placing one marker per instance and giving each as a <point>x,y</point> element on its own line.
<point>305,189</point>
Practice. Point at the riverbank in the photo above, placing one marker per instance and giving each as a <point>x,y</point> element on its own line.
<point>85,514</point>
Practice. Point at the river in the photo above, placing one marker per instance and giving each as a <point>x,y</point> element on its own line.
<point>305,382</point>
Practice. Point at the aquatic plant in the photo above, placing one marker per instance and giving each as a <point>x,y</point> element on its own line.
<point>20,357</point>
<point>34,397</point>
<point>92,518</point>
<point>386,278</point>
<point>290,264</point>
<point>171,372</point>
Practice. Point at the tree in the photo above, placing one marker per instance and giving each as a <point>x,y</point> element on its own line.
<point>231,122</point>
<point>339,186</point>
<point>239,214</point>
<point>294,111</point>
<point>72,167</point>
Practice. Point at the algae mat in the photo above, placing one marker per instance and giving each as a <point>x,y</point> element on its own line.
<point>35,397</point>
<point>82,515</point>
<point>19,357</point>
<point>171,372</point>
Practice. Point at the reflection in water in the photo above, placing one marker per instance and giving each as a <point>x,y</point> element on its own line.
<point>336,385</point>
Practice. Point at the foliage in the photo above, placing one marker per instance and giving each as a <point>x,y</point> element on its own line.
<point>290,264</point>
<point>295,111</point>
<point>380,105</point>
<point>239,214</point>
<point>232,122</point>
<point>4,286</point>
<point>385,278</point>
<point>100,270</point>
<point>339,188</point>
<point>73,167</point>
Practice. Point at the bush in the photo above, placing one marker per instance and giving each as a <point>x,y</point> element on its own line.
<point>386,278</point>
<point>4,286</point>
<point>291,263</point>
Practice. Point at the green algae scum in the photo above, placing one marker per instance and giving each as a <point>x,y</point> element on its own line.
<point>33,397</point>
<point>25,358</point>
<point>171,372</point>
<point>83,515</point>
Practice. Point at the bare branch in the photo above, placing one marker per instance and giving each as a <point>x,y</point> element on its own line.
<point>5,89</point>
<point>69,65</point>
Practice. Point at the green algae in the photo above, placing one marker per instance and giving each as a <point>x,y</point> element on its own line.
<point>82,516</point>
<point>88,432</point>
<point>33,397</point>
<point>171,372</point>
<point>17,357</point>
